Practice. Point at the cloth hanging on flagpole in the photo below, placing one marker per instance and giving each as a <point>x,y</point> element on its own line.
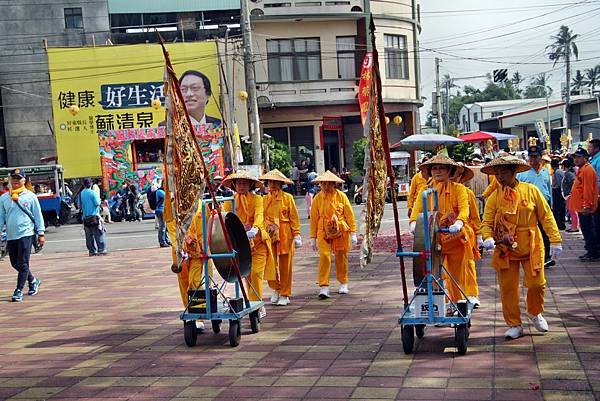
<point>185,175</point>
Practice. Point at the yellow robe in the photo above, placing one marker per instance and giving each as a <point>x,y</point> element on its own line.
<point>326,207</point>
<point>283,224</point>
<point>471,287</point>
<point>416,183</point>
<point>457,249</point>
<point>514,213</point>
<point>493,186</point>
<point>249,208</point>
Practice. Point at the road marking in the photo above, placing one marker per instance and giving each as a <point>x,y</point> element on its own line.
<point>111,237</point>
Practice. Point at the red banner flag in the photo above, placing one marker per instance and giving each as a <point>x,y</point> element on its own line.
<point>364,86</point>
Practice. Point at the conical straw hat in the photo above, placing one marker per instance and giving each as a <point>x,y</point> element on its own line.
<point>229,181</point>
<point>276,175</point>
<point>438,159</point>
<point>466,174</point>
<point>505,161</point>
<point>328,176</point>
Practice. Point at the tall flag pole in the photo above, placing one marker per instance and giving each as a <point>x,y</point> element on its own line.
<point>379,167</point>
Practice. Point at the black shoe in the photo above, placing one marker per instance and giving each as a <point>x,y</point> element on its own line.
<point>34,286</point>
<point>549,263</point>
<point>165,245</point>
<point>584,256</point>
<point>590,258</point>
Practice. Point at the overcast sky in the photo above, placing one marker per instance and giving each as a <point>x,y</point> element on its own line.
<point>508,34</point>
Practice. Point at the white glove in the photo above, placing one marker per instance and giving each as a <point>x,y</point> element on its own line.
<point>313,244</point>
<point>489,243</point>
<point>412,226</point>
<point>354,239</point>
<point>479,241</point>
<point>555,250</point>
<point>297,241</point>
<point>251,233</point>
<point>456,227</point>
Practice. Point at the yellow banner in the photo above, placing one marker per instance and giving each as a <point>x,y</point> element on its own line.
<point>120,87</point>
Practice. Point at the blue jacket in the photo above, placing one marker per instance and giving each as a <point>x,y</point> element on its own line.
<point>595,162</point>
<point>90,203</point>
<point>18,223</point>
<point>160,200</point>
<point>540,179</point>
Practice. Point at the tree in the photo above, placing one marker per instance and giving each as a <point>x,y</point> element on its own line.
<point>280,157</point>
<point>561,50</point>
<point>592,77</point>
<point>517,79</point>
<point>358,155</point>
<point>538,87</point>
<point>461,152</point>
<point>578,81</point>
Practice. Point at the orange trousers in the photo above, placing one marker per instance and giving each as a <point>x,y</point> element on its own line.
<point>457,265</point>
<point>470,285</point>
<point>510,282</point>
<point>283,283</point>
<point>341,263</point>
<point>254,289</point>
<point>190,277</point>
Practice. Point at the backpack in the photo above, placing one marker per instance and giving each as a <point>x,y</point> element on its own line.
<point>151,195</point>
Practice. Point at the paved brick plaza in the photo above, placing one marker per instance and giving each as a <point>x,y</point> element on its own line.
<point>108,329</point>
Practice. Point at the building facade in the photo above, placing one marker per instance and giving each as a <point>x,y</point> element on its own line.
<point>308,60</point>
<point>26,30</point>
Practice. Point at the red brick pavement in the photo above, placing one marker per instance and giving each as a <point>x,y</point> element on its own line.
<point>107,329</point>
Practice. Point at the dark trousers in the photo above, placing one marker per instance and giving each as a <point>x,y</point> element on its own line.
<point>19,251</point>
<point>546,243</point>
<point>597,220</point>
<point>163,237</point>
<point>558,208</point>
<point>588,229</point>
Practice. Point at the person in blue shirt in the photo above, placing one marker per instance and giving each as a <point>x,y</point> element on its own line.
<point>92,223</point>
<point>163,238</point>
<point>540,177</point>
<point>594,152</point>
<point>20,211</point>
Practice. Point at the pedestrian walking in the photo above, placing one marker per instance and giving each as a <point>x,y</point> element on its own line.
<point>584,199</point>
<point>566,187</point>
<point>93,225</point>
<point>283,226</point>
<point>163,238</point>
<point>539,176</point>
<point>20,211</point>
<point>332,232</point>
<point>558,202</point>
<point>510,226</point>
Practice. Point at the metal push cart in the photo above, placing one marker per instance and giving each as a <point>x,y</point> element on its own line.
<point>214,305</point>
<point>430,300</point>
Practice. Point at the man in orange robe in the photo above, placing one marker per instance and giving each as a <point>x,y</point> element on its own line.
<point>584,200</point>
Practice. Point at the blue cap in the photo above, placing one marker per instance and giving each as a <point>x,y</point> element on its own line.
<point>17,172</point>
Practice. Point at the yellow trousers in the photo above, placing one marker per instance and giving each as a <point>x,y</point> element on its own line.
<point>341,263</point>
<point>190,277</point>
<point>510,281</point>
<point>457,265</point>
<point>471,288</point>
<point>283,283</point>
<point>254,289</point>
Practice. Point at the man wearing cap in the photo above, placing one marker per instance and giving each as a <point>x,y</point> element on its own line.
<point>20,211</point>
<point>453,208</point>
<point>539,176</point>
<point>249,208</point>
<point>511,227</point>
<point>92,223</point>
<point>332,230</point>
<point>220,189</point>
<point>283,226</point>
<point>584,200</point>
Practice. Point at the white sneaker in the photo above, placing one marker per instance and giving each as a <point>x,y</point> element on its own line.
<point>283,301</point>
<point>474,301</point>
<point>324,292</point>
<point>274,297</point>
<point>343,289</point>
<point>514,332</point>
<point>540,323</point>
<point>199,325</point>
<point>262,312</point>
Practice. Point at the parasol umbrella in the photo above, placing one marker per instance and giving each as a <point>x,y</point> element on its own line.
<point>482,136</point>
<point>428,142</point>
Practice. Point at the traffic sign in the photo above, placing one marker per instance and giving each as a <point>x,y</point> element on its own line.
<point>501,75</point>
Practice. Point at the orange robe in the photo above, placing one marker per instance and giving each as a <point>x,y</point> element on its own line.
<point>584,193</point>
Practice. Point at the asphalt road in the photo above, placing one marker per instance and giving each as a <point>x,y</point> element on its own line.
<point>140,235</point>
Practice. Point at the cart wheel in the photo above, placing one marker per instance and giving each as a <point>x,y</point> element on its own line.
<point>235,332</point>
<point>461,337</point>
<point>420,330</point>
<point>254,322</point>
<point>216,326</point>
<point>408,338</point>
<point>190,333</point>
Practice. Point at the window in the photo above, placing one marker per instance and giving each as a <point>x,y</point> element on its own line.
<point>73,18</point>
<point>396,57</point>
<point>497,113</point>
<point>294,59</point>
<point>346,57</point>
<point>475,117</point>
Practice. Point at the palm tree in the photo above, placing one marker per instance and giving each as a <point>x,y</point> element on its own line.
<point>517,79</point>
<point>592,77</point>
<point>578,81</point>
<point>561,50</point>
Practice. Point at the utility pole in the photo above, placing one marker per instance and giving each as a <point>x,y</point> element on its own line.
<point>229,65</point>
<point>253,118</point>
<point>447,110</point>
<point>438,97</point>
